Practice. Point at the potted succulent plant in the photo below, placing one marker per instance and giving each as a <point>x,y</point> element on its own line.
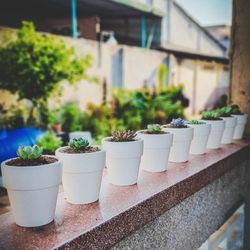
<point>183,136</point>
<point>217,128</point>
<point>241,120</point>
<point>32,181</point>
<point>83,166</point>
<point>230,123</point>
<point>201,133</point>
<point>157,144</point>
<point>124,151</point>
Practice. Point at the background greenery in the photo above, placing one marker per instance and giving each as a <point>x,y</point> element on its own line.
<point>33,64</point>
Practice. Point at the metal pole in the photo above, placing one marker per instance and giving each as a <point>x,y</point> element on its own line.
<point>74,18</point>
<point>143,31</point>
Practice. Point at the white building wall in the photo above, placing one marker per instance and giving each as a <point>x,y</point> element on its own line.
<point>209,47</point>
<point>182,32</point>
<point>141,65</point>
<point>185,33</point>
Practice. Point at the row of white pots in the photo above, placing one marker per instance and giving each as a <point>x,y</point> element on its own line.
<point>33,190</point>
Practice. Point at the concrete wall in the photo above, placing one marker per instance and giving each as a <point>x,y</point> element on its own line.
<point>240,74</point>
<point>180,30</point>
<point>204,82</point>
<point>86,26</point>
<point>139,67</point>
<point>190,223</point>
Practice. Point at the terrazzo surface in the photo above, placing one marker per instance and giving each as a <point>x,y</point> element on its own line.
<point>189,224</point>
<point>122,210</point>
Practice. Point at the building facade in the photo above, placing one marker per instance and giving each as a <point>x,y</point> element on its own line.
<point>149,33</point>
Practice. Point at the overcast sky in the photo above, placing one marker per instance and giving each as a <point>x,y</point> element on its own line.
<point>209,12</point>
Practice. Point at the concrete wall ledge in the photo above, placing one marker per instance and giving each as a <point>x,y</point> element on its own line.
<point>121,211</point>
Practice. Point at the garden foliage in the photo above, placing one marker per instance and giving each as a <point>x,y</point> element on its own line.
<point>33,64</point>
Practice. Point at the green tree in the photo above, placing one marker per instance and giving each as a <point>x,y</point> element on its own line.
<point>33,64</point>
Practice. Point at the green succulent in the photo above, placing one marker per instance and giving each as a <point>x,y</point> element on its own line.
<point>236,109</point>
<point>29,153</point>
<point>79,143</point>
<point>123,136</point>
<point>196,122</point>
<point>210,115</point>
<point>225,111</point>
<point>154,128</point>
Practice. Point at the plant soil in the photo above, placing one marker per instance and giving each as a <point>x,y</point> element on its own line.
<point>171,126</point>
<point>112,140</point>
<point>46,152</point>
<point>211,119</point>
<point>226,116</point>
<point>69,150</point>
<point>32,162</point>
<point>153,133</point>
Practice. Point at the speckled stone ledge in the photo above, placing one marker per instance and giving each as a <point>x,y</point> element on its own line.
<point>122,210</point>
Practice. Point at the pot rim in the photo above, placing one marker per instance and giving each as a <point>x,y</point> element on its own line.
<point>227,117</point>
<point>75,154</point>
<point>197,125</point>
<point>243,114</point>
<point>3,164</point>
<point>106,139</point>
<point>160,134</point>
<point>218,121</point>
<point>178,128</point>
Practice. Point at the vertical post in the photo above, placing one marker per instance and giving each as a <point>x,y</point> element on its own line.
<point>194,91</point>
<point>143,31</point>
<point>74,18</point>
<point>240,74</point>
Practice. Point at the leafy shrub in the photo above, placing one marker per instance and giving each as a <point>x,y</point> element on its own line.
<point>15,117</point>
<point>49,142</point>
<point>138,108</point>
<point>72,118</point>
<point>33,64</point>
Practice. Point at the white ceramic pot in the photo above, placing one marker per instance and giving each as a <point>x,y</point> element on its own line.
<point>241,121</point>
<point>156,151</point>
<point>199,142</point>
<point>227,136</point>
<point>82,175</point>
<point>214,138</point>
<point>123,161</point>
<point>32,192</point>
<point>181,143</point>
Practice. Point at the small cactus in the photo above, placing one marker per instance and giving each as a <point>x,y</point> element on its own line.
<point>178,123</point>
<point>29,153</point>
<point>196,122</point>
<point>154,128</point>
<point>123,136</point>
<point>79,144</point>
